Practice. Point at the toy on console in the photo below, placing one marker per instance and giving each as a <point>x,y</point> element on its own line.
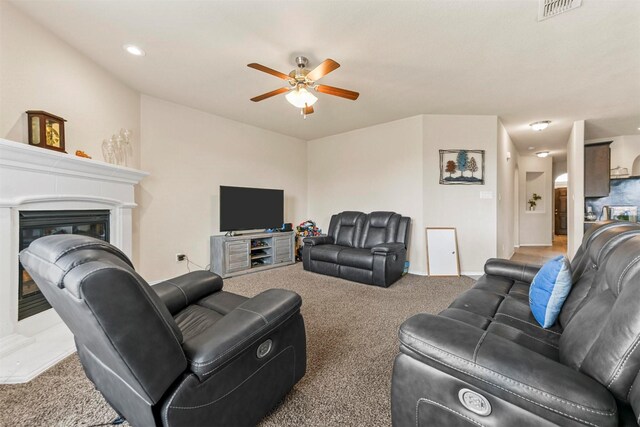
<point>306,228</point>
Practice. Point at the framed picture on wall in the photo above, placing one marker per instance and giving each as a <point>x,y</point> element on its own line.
<point>464,167</point>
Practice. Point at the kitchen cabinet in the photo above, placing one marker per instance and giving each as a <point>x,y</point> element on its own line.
<point>597,167</point>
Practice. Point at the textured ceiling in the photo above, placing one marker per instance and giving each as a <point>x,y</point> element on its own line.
<point>405,58</point>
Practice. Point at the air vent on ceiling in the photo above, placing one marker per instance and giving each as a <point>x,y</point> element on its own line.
<point>550,8</point>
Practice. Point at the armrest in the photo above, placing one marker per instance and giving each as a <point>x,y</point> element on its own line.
<point>388,248</point>
<point>242,327</point>
<point>181,291</point>
<point>318,240</point>
<point>505,369</point>
<point>511,269</point>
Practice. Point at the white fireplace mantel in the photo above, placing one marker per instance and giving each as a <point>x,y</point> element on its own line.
<point>33,178</point>
<point>25,157</point>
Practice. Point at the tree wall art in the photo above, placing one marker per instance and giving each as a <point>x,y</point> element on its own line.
<point>462,167</point>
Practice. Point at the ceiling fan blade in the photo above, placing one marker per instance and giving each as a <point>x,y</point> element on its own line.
<point>327,66</point>
<point>336,91</point>
<point>268,71</point>
<point>270,94</point>
<point>308,109</point>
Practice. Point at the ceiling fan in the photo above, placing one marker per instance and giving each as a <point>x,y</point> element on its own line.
<point>300,80</point>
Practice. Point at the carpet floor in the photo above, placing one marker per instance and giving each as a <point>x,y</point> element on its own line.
<point>351,343</point>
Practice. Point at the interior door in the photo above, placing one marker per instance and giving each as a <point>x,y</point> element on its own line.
<point>561,211</point>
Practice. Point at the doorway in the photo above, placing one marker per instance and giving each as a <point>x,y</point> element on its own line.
<point>560,214</point>
<point>541,254</point>
<point>516,207</point>
<point>560,218</point>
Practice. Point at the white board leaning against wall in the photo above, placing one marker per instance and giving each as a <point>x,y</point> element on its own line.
<point>442,252</point>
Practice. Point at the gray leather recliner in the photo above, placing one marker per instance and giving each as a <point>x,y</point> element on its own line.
<point>181,353</point>
<point>485,361</point>
<point>367,248</point>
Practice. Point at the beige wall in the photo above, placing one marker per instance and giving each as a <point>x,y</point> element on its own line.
<point>38,71</point>
<point>392,166</point>
<point>506,215</point>
<point>536,226</point>
<point>462,206</point>
<point>575,188</point>
<point>372,169</point>
<point>559,168</point>
<point>395,166</point>
<point>189,154</point>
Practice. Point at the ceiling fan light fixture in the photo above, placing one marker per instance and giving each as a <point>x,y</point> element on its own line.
<point>539,126</point>
<point>300,98</point>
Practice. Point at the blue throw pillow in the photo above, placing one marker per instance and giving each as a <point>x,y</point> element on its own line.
<point>549,290</point>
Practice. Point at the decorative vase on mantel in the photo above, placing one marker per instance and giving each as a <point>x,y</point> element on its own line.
<point>109,151</point>
<point>117,149</point>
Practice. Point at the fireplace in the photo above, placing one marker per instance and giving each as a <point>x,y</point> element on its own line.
<point>37,185</point>
<point>35,224</point>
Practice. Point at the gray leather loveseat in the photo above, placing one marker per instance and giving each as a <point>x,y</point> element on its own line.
<point>367,248</point>
<point>485,361</point>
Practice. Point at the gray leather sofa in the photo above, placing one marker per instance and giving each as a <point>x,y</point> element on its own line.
<point>367,248</point>
<point>181,353</point>
<point>484,361</point>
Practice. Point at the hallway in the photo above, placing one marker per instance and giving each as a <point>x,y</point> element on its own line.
<point>541,254</point>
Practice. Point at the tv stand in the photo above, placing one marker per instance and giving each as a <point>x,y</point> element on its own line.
<point>249,253</point>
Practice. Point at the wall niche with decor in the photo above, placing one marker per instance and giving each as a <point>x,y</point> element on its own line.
<point>535,191</point>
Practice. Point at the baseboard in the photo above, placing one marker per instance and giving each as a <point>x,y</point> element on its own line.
<point>463,273</point>
<point>472,273</point>
<point>418,273</point>
<point>536,244</point>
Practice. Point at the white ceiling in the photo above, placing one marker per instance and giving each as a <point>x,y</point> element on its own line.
<point>405,58</point>
<point>608,127</point>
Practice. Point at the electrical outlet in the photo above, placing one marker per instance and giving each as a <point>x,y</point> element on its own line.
<point>180,257</point>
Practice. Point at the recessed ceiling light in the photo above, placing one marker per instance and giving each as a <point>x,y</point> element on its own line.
<point>531,148</point>
<point>542,154</point>
<point>134,50</point>
<point>538,126</point>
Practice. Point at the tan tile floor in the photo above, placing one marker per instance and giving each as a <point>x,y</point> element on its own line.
<point>541,254</point>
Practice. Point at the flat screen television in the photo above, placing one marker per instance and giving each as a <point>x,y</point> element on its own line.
<point>243,208</point>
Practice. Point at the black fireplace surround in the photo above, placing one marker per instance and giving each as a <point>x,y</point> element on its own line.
<point>36,224</point>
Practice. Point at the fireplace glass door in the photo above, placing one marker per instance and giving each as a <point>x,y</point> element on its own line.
<point>36,224</point>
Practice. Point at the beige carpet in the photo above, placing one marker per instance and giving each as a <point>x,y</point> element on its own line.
<point>351,343</point>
